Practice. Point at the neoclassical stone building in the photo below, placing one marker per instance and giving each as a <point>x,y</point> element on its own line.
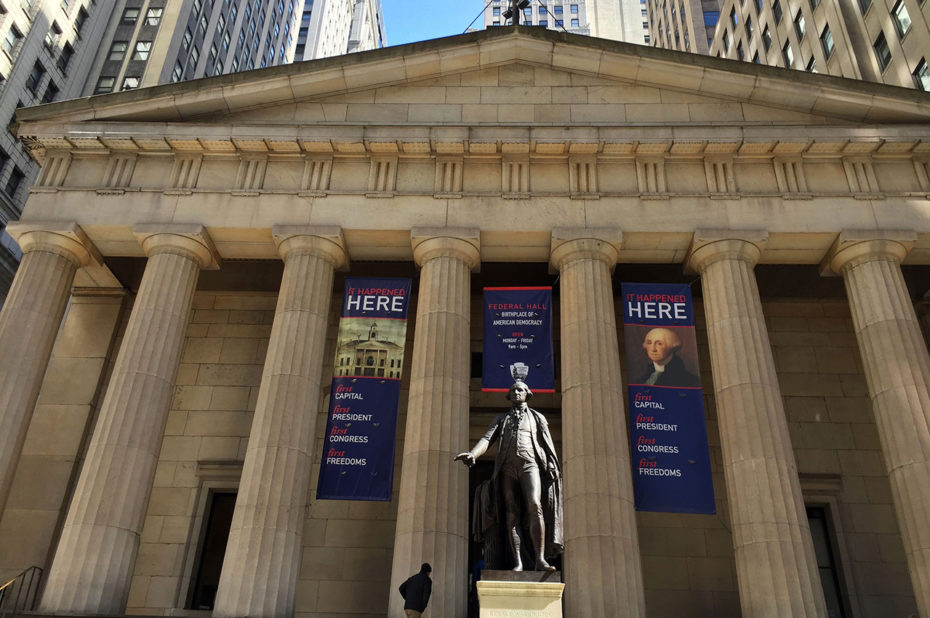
<point>169,340</point>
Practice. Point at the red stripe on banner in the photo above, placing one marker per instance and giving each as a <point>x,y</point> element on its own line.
<point>658,325</point>
<point>690,388</point>
<point>507,390</point>
<point>534,287</point>
<point>368,378</point>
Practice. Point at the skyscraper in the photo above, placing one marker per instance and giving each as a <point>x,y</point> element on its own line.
<point>685,25</point>
<point>621,20</point>
<point>876,41</point>
<point>160,41</point>
<point>46,47</point>
<point>334,27</point>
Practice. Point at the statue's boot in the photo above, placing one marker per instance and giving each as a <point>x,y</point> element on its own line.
<point>515,548</point>
<point>538,534</point>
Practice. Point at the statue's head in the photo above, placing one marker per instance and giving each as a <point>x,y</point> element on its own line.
<point>522,386</point>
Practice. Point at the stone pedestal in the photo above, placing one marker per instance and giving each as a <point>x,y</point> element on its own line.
<point>602,564</point>
<point>432,507</point>
<point>29,324</point>
<point>897,370</point>
<point>527,594</point>
<point>259,577</point>
<point>776,567</point>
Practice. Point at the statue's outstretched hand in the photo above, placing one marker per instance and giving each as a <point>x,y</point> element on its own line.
<point>467,458</point>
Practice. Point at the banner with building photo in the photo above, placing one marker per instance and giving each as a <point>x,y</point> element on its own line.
<point>518,329</point>
<point>671,462</point>
<point>358,449</point>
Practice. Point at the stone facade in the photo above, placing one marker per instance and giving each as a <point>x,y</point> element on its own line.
<point>218,217</point>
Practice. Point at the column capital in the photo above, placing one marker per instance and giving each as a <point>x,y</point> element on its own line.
<point>326,241</point>
<point>577,243</point>
<point>463,243</point>
<point>853,247</point>
<point>709,246</point>
<point>188,239</point>
<point>64,238</point>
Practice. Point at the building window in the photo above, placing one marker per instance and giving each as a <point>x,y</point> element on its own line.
<point>13,36</point>
<point>544,22</point>
<point>186,41</point>
<point>726,40</point>
<point>129,83</point>
<point>787,55</point>
<point>776,11</point>
<point>766,38</point>
<point>756,59</point>
<point>574,9</point>
<point>153,17</point>
<point>142,50</point>
<point>922,75</point>
<point>16,179</point>
<point>198,4</point>
<point>826,41</point>
<point>575,23</point>
<point>213,52</point>
<point>882,52</point>
<point>118,50</point>
<point>130,15</point>
<point>799,26</point>
<point>178,71</point>
<point>104,85</point>
<point>51,92</point>
<point>740,53</point>
<point>814,4</point>
<point>203,25</point>
<point>235,65</point>
<point>864,5</point>
<point>811,66</point>
<point>80,20</point>
<point>220,23</point>
<point>226,40</point>
<point>64,58</point>
<point>749,26</point>
<point>195,56</point>
<point>734,18</point>
<point>902,21</point>
<point>51,39</point>
<point>35,77</point>
<point>558,10</point>
<point>496,11</point>
<point>711,18</point>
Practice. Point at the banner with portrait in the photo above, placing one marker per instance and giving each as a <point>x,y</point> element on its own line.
<point>518,330</point>
<point>671,462</point>
<point>358,449</point>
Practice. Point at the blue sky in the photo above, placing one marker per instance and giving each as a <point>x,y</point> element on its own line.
<point>406,21</point>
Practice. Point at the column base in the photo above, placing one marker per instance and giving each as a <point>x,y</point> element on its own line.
<point>527,594</point>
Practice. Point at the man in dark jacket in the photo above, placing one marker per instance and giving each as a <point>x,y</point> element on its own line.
<point>416,591</point>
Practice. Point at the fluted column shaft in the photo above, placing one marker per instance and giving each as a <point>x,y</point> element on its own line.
<point>775,563</point>
<point>29,323</point>
<point>603,575</point>
<point>432,511</point>
<point>897,370</point>
<point>262,560</point>
<point>92,568</point>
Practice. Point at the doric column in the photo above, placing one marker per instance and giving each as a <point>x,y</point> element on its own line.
<point>775,564</point>
<point>263,552</point>
<point>897,370</point>
<point>432,509</point>
<point>29,323</point>
<point>603,576</point>
<point>93,565</point>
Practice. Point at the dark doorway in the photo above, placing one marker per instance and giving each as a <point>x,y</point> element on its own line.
<point>212,549</point>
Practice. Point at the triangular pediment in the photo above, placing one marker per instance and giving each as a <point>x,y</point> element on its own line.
<point>501,77</point>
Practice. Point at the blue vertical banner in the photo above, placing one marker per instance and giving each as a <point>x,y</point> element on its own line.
<point>671,461</point>
<point>518,329</point>
<point>358,449</point>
